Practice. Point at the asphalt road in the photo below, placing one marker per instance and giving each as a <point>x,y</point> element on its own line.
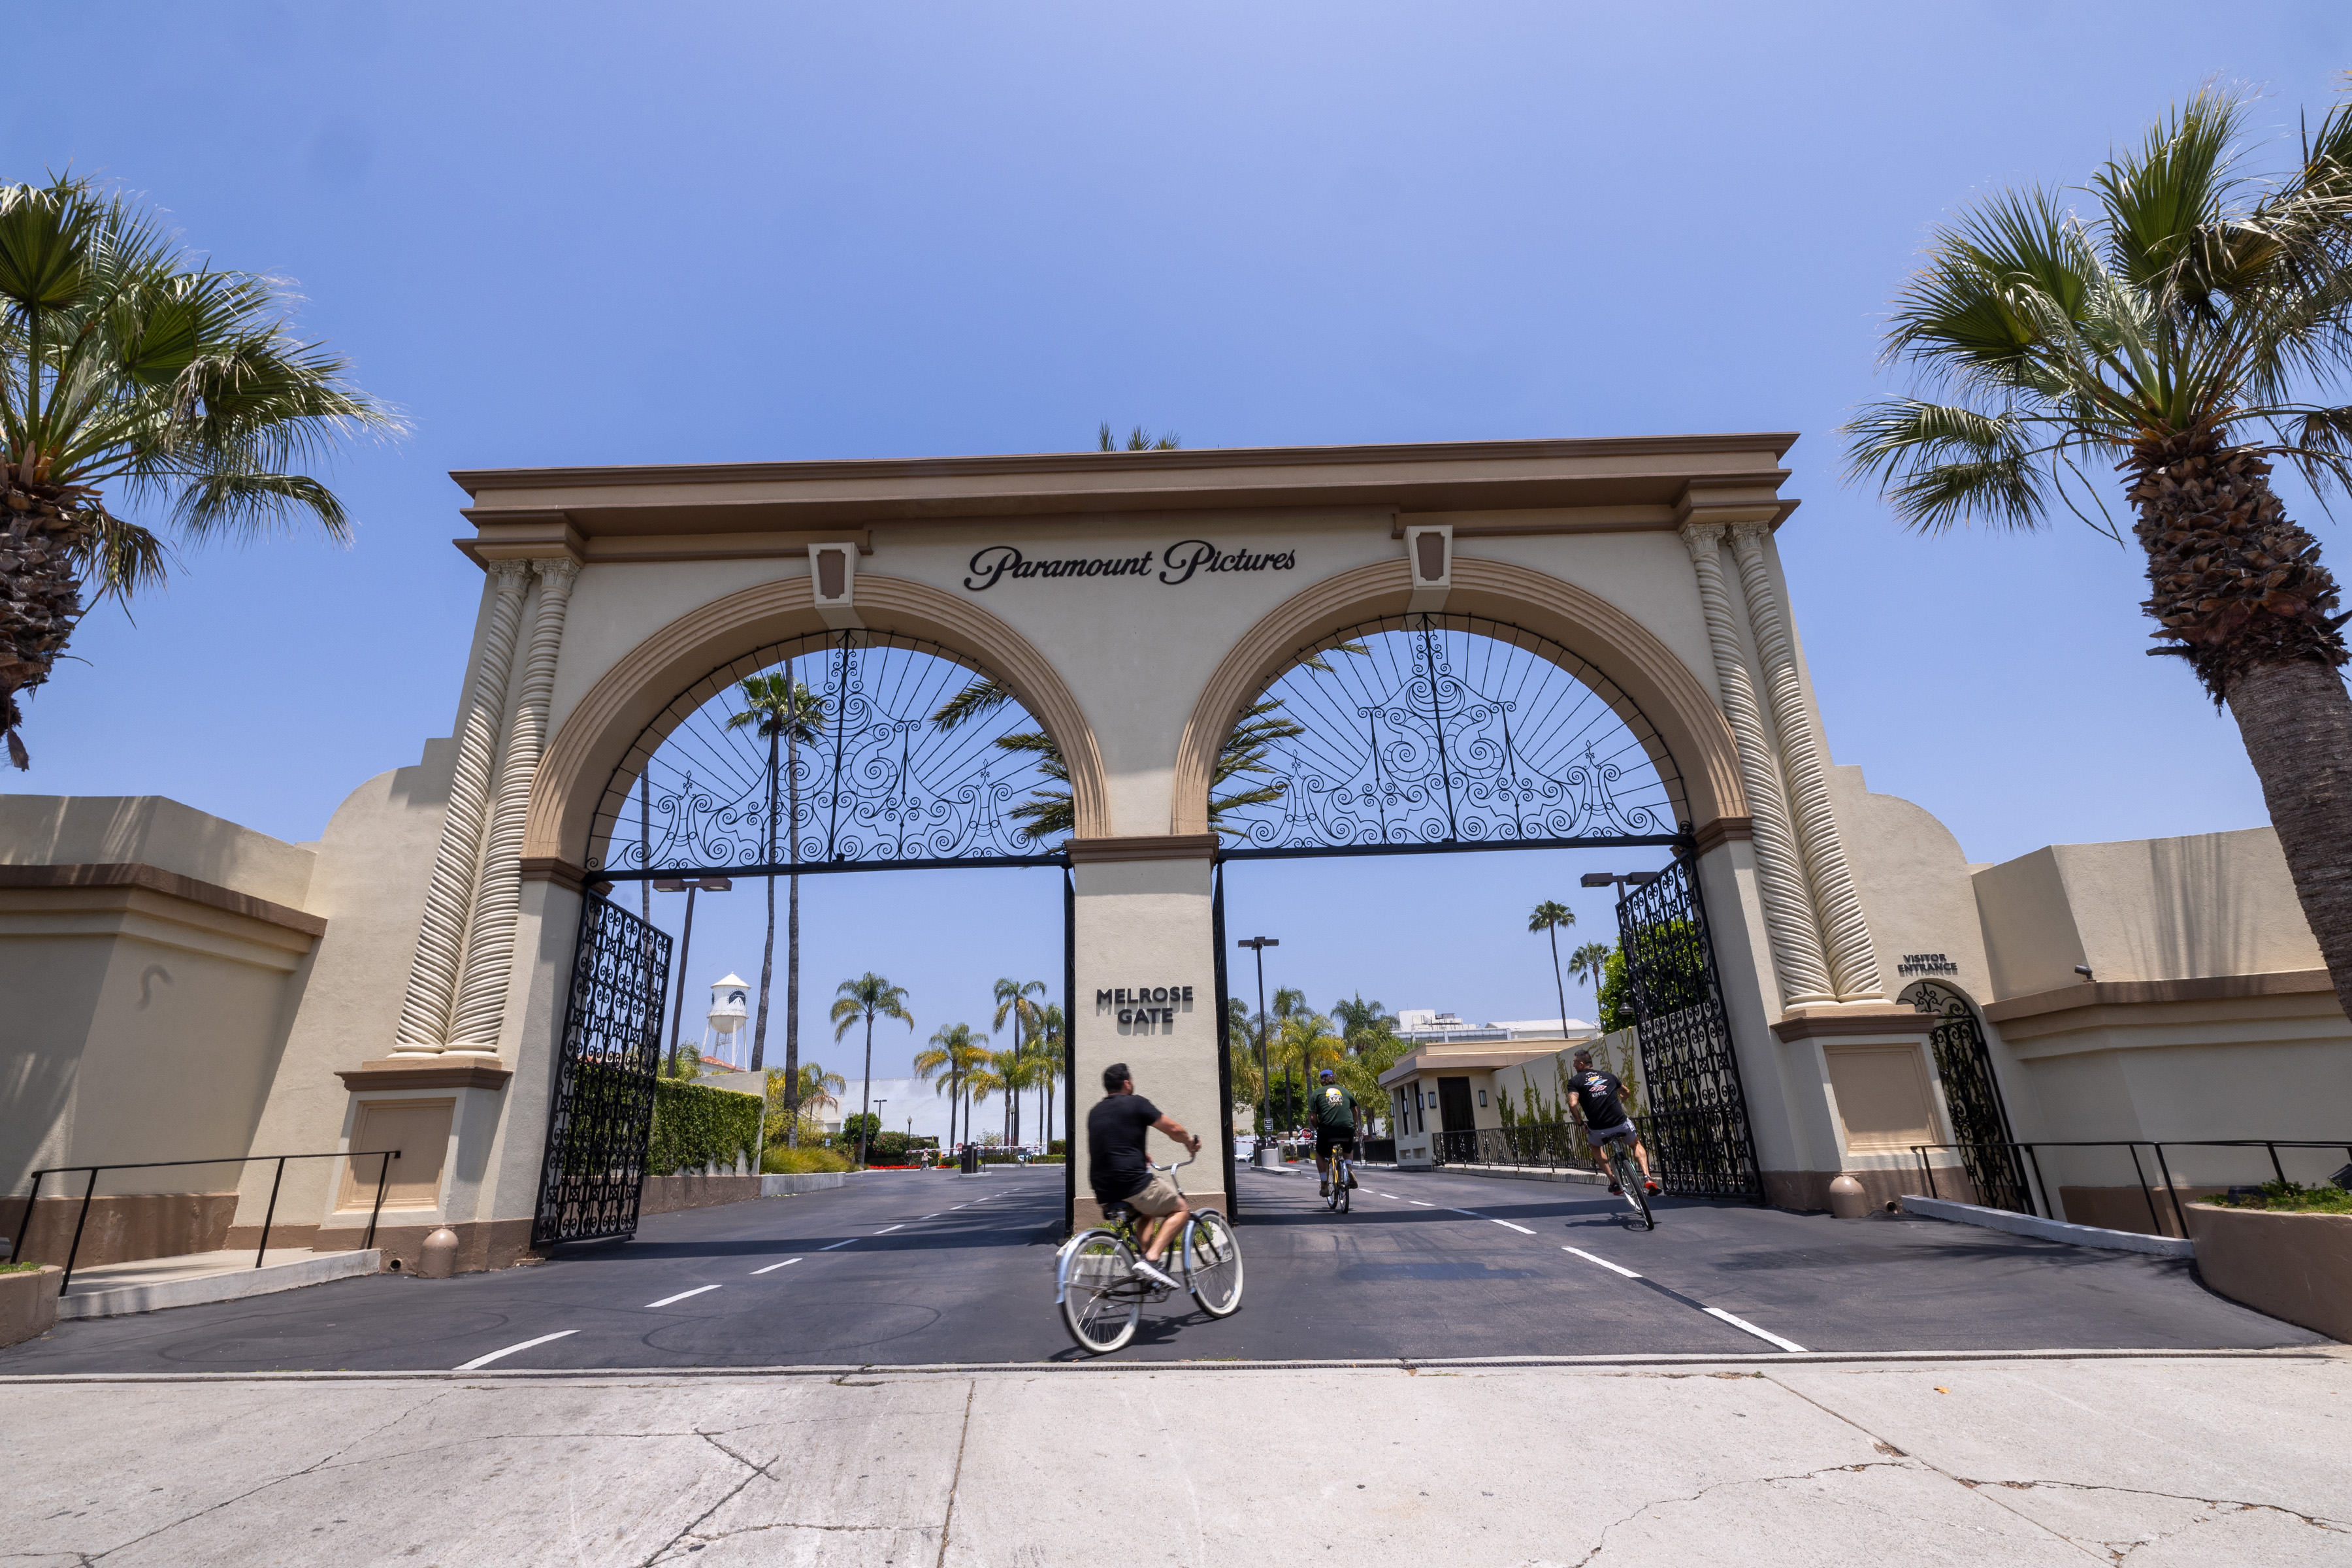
<point>921,1268</point>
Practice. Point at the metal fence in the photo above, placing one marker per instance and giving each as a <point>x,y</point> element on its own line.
<point>1554,1145</point>
<point>90,1190</point>
<point>2175,1172</point>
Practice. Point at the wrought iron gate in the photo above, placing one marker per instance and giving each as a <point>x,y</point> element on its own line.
<point>1698,1137</point>
<point>1972,1095</point>
<point>602,1115</point>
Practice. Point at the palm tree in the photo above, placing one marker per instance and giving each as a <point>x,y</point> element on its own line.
<point>125,366</point>
<point>977,1084</point>
<point>1137,440</point>
<point>786,712</point>
<point>955,1051</point>
<point>1010,1070</point>
<point>1589,963</point>
<point>1052,1064</point>
<point>816,1086</point>
<point>1363,1023</point>
<point>2187,332</point>
<point>1549,916</point>
<point>865,997</point>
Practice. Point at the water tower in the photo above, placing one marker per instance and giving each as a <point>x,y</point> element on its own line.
<point>730,1018</point>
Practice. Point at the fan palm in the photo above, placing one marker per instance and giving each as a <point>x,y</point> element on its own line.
<point>868,997</point>
<point>1137,440</point>
<point>125,366</point>
<point>1052,1064</point>
<point>1549,917</point>
<point>787,713</point>
<point>814,1087</point>
<point>2194,327</point>
<point>1590,962</point>
<point>954,1051</point>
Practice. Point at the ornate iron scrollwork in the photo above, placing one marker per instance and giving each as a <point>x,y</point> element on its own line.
<point>865,773</point>
<point>1448,729</point>
<point>1699,1141</point>
<point>1972,1095</point>
<point>599,1128</point>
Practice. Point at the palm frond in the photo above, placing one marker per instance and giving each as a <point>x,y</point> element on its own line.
<point>1941,464</point>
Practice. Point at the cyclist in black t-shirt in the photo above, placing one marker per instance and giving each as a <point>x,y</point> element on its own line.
<point>1600,1100</point>
<point>1120,1171</point>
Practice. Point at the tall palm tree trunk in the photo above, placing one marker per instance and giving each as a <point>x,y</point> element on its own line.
<point>2239,588</point>
<point>1558,984</point>
<point>865,1088</point>
<point>768,952</point>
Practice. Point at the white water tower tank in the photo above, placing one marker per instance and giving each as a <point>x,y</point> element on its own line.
<point>729,1012</point>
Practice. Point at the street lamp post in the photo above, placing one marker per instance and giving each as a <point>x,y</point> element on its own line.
<point>686,944</point>
<point>1621,881</point>
<point>1258,944</point>
<point>878,1122</point>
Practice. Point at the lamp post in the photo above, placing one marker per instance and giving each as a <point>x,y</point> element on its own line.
<point>1269,1154</point>
<point>686,943</point>
<point>877,1119</point>
<point>1619,881</point>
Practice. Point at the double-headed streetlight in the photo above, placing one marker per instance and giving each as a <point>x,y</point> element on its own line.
<point>1621,881</point>
<point>686,943</point>
<point>1258,944</point>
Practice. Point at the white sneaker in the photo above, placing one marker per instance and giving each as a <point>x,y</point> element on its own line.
<point>1153,1273</point>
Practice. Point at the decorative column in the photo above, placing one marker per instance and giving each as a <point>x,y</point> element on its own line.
<point>1788,921</point>
<point>480,1006</point>
<point>423,1025</point>
<point>1853,965</point>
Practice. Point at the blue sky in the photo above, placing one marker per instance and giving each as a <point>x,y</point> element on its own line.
<point>602,234</point>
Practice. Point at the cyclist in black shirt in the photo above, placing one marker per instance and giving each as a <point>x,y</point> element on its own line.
<point>1600,1099</point>
<point>1121,1172</point>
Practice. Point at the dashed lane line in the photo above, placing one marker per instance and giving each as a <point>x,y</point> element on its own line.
<point>482,1361</point>
<point>838,1243</point>
<point>1742,1324</point>
<point>889,1229</point>
<point>1614,1267</point>
<point>681,1295</point>
<point>1417,1201</point>
<point>771,1268</point>
<point>1506,1224</point>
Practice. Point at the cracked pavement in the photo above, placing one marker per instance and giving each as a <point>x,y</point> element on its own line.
<point>2147,1461</point>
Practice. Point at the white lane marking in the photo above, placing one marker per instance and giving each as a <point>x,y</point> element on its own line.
<point>1506,1224</point>
<point>771,1268</point>
<point>1418,1201</point>
<point>1747,1327</point>
<point>927,1216</point>
<point>1614,1267</point>
<point>836,1244</point>
<point>482,1361</point>
<point>681,1295</point>
<point>889,1229</point>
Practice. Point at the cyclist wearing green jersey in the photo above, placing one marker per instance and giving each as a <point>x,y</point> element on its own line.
<point>1335,1126</point>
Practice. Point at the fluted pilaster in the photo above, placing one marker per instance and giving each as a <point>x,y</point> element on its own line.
<point>423,1025</point>
<point>1788,921</point>
<point>1853,965</point>
<point>480,1007</point>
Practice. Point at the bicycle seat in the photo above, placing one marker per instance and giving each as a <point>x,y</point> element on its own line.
<point>1115,1212</point>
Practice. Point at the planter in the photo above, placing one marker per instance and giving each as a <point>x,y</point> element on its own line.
<point>28,1303</point>
<point>2298,1267</point>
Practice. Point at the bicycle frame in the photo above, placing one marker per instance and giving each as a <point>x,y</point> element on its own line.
<point>1125,1230</point>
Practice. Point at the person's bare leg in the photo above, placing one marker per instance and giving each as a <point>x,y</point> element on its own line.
<point>1156,1246</point>
<point>1642,1158</point>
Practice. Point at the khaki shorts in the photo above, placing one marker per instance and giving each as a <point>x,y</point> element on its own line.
<point>1159,1200</point>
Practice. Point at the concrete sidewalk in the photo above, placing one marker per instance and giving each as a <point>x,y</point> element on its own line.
<point>2149,1460</point>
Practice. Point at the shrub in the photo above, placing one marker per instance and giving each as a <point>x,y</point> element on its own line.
<point>888,1148</point>
<point>2289,1197</point>
<point>801,1161</point>
<point>696,1128</point>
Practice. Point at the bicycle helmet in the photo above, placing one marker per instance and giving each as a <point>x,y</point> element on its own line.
<point>1329,1075</point>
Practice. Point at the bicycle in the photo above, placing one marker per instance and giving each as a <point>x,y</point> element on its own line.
<point>1102,1298</point>
<point>1617,1159</point>
<point>1342,1181</point>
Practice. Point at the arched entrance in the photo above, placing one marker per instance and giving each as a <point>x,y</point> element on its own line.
<point>1972,1096</point>
<point>1438,733</point>
<point>830,752</point>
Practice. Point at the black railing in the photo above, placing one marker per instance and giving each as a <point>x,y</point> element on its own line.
<point>2133,1145</point>
<point>1551,1144</point>
<point>17,1247</point>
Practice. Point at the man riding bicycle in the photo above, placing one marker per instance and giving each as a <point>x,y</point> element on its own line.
<point>1121,1172</point>
<point>1335,1113</point>
<point>1600,1100</point>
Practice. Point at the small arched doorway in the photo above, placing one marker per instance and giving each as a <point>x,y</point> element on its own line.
<point>1433,733</point>
<point>1972,1096</point>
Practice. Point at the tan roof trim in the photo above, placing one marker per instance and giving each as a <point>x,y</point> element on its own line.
<point>1829,1026</point>
<point>156,879</point>
<point>1142,847</point>
<point>2125,992</point>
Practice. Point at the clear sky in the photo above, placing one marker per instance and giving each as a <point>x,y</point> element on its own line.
<point>603,234</point>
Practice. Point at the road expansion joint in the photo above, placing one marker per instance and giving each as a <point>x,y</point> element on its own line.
<point>1684,1499</point>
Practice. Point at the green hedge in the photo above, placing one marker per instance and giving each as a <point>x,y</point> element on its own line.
<point>696,1127</point>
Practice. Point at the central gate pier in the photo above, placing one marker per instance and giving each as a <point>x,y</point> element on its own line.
<point>1120,670</point>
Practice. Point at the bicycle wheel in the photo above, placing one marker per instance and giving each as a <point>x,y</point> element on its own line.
<point>1343,1181</point>
<point>1332,1187</point>
<point>1213,1263</point>
<point>1098,1299</point>
<point>1629,1176</point>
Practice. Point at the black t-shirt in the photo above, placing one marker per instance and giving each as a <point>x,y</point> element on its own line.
<point>1116,1165</point>
<point>1603,1107</point>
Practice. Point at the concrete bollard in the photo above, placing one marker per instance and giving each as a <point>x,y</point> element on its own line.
<point>1847,1200</point>
<point>438,1259</point>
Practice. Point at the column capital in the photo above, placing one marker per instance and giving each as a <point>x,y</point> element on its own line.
<point>1747,536</point>
<point>1702,539</point>
<point>512,576</point>
<point>555,568</point>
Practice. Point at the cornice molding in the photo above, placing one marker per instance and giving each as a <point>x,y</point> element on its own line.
<point>154,879</point>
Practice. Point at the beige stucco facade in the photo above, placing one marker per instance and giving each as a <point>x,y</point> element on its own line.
<point>410,971</point>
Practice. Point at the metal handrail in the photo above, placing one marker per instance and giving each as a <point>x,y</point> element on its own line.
<point>2171,1188</point>
<point>17,1247</point>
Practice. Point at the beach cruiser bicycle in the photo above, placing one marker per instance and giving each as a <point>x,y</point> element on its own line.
<point>1102,1298</point>
<point>1343,1180</point>
<point>1617,1159</point>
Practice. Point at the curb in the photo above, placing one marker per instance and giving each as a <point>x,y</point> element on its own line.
<point>231,1286</point>
<point>2056,1230</point>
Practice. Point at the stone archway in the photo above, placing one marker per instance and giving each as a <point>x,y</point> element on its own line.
<point>1679,709</point>
<point>614,722</point>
